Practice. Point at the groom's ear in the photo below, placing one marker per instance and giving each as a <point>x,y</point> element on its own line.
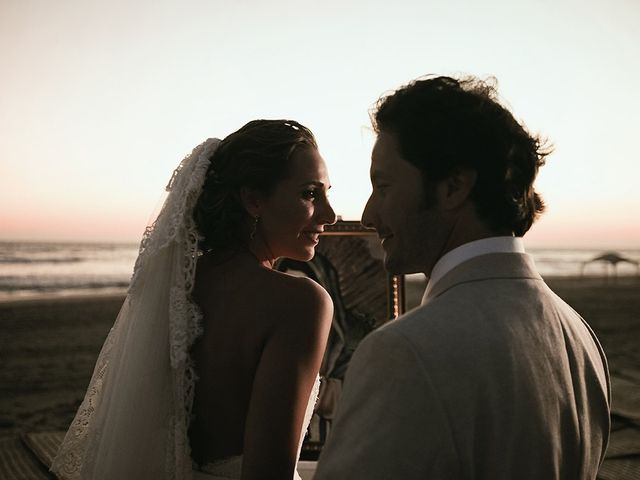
<point>454,190</point>
<point>251,200</point>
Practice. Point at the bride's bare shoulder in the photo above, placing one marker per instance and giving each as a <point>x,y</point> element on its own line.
<point>261,292</point>
<point>294,296</point>
<point>291,287</point>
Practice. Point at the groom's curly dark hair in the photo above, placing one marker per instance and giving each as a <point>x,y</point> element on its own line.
<point>256,156</point>
<point>442,124</point>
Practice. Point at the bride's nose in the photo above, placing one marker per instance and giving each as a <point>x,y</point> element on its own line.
<point>326,215</point>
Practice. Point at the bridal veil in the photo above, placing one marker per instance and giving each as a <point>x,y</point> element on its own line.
<point>133,421</point>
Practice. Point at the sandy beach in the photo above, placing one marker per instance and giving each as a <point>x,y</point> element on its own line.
<point>48,346</point>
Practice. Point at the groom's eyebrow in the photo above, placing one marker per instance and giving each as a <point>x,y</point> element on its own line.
<point>378,176</point>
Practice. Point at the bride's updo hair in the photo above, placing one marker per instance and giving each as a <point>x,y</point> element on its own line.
<point>257,156</point>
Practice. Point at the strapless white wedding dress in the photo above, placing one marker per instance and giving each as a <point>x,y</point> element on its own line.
<point>231,467</point>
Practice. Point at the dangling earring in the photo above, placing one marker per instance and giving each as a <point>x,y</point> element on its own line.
<point>256,219</point>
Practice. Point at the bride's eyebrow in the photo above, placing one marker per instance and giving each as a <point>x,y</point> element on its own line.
<point>315,184</point>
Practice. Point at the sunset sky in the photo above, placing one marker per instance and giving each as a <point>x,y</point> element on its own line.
<point>100,100</point>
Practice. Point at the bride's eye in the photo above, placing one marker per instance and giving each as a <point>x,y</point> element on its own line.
<point>309,194</point>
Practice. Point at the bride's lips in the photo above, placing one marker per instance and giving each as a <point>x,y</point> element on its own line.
<point>312,235</point>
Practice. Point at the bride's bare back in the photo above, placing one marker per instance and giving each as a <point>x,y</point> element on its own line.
<point>264,337</point>
<point>264,197</point>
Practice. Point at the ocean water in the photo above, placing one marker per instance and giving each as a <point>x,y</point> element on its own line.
<point>29,269</point>
<point>32,269</point>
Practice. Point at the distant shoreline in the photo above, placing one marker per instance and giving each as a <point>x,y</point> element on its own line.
<point>61,297</point>
<point>32,271</point>
<point>529,245</point>
<point>115,293</point>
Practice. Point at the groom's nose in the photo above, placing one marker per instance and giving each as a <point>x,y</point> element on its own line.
<point>367,215</point>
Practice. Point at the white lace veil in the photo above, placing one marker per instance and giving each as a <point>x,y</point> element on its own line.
<point>133,421</point>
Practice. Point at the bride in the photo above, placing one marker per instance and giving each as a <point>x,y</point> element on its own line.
<point>210,370</point>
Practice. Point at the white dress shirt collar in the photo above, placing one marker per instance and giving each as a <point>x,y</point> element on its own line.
<point>465,252</point>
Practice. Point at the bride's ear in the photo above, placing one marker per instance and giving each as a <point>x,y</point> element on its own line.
<point>250,199</point>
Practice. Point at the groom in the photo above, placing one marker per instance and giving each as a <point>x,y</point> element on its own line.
<point>493,376</point>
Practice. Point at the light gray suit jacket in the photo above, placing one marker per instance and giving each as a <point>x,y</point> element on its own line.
<point>493,377</point>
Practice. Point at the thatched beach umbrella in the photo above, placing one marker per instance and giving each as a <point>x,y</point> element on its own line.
<point>612,259</point>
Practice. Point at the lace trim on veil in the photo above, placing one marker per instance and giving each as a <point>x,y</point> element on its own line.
<point>176,223</point>
<point>172,242</point>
